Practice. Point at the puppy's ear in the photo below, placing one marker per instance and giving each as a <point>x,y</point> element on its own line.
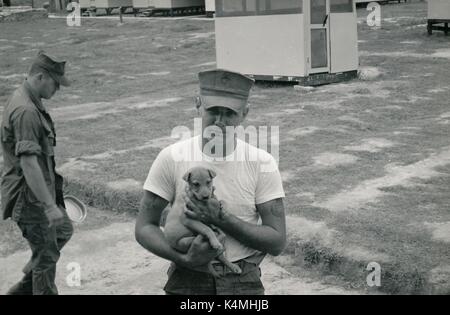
<point>187,177</point>
<point>212,174</point>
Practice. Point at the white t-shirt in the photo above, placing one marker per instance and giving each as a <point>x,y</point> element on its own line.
<point>244,179</point>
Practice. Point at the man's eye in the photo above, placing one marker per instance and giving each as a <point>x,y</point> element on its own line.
<point>213,111</point>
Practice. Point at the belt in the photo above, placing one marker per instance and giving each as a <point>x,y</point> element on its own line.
<point>223,270</point>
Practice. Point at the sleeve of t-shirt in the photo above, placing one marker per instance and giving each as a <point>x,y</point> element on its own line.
<point>161,179</point>
<point>269,185</point>
<point>27,128</point>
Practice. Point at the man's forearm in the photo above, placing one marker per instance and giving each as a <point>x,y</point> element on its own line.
<point>35,180</point>
<point>152,238</point>
<point>261,237</point>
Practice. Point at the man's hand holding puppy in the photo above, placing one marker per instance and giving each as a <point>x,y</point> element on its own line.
<point>200,253</point>
<point>269,237</point>
<point>211,211</point>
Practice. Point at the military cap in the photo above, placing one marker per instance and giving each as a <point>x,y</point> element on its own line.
<point>222,88</point>
<point>55,69</point>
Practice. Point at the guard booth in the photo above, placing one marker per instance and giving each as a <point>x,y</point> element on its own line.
<point>210,7</point>
<point>107,5</point>
<point>312,42</point>
<point>438,15</point>
<point>177,4</point>
<point>54,6</point>
<point>141,4</point>
<point>170,7</point>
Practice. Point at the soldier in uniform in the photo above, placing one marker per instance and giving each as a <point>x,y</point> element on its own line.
<point>31,190</point>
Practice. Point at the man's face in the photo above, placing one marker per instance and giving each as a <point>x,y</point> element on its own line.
<point>221,117</point>
<point>225,119</point>
<point>48,86</point>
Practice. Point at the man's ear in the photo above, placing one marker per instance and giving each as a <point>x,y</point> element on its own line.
<point>212,174</point>
<point>246,110</point>
<point>39,76</point>
<point>198,104</point>
<point>187,177</point>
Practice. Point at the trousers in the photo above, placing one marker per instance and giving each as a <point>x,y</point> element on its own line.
<point>46,244</point>
<point>183,281</point>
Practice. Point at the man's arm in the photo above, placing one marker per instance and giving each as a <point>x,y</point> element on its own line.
<point>35,180</point>
<point>270,237</point>
<point>151,237</point>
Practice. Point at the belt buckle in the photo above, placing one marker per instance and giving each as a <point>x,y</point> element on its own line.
<point>224,270</point>
<point>220,269</point>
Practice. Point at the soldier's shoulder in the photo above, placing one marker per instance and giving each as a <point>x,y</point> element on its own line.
<point>20,103</point>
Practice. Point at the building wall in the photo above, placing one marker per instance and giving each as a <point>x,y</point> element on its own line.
<point>272,45</point>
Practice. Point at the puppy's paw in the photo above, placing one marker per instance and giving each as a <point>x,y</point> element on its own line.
<point>236,269</point>
<point>213,271</point>
<point>217,246</point>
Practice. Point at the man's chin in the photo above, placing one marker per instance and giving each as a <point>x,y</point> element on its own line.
<point>47,97</point>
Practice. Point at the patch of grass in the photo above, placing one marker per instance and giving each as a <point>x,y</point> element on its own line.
<point>396,278</point>
<point>99,196</point>
<point>185,27</point>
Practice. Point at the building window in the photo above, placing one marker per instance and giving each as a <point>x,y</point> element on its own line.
<point>341,6</point>
<point>257,7</point>
<point>318,11</point>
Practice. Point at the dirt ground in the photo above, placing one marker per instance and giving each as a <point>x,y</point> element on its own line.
<point>365,164</point>
<point>111,262</point>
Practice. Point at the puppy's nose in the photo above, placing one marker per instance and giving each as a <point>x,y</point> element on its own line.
<point>205,194</point>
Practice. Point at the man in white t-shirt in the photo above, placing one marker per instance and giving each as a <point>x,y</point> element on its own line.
<point>248,206</point>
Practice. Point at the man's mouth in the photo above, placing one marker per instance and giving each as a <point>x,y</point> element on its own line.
<point>221,126</point>
<point>213,135</point>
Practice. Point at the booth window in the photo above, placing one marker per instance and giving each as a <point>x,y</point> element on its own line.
<point>257,7</point>
<point>341,6</point>
<point>318,11</point>
<point>319,44</point>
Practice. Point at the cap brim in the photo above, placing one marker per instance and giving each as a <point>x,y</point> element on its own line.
<point>221,101</point>
<point>61,79</point>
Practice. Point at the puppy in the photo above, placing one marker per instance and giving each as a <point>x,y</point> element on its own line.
<point>180,230</point>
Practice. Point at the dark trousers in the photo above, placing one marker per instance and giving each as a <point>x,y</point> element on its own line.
<point>46,244</point>
<point>188,282</point>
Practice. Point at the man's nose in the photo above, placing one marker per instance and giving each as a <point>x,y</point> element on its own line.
<point>219,117</point>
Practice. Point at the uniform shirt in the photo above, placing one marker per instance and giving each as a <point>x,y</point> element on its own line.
<point>27,129</point>
<point>244,179</point>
